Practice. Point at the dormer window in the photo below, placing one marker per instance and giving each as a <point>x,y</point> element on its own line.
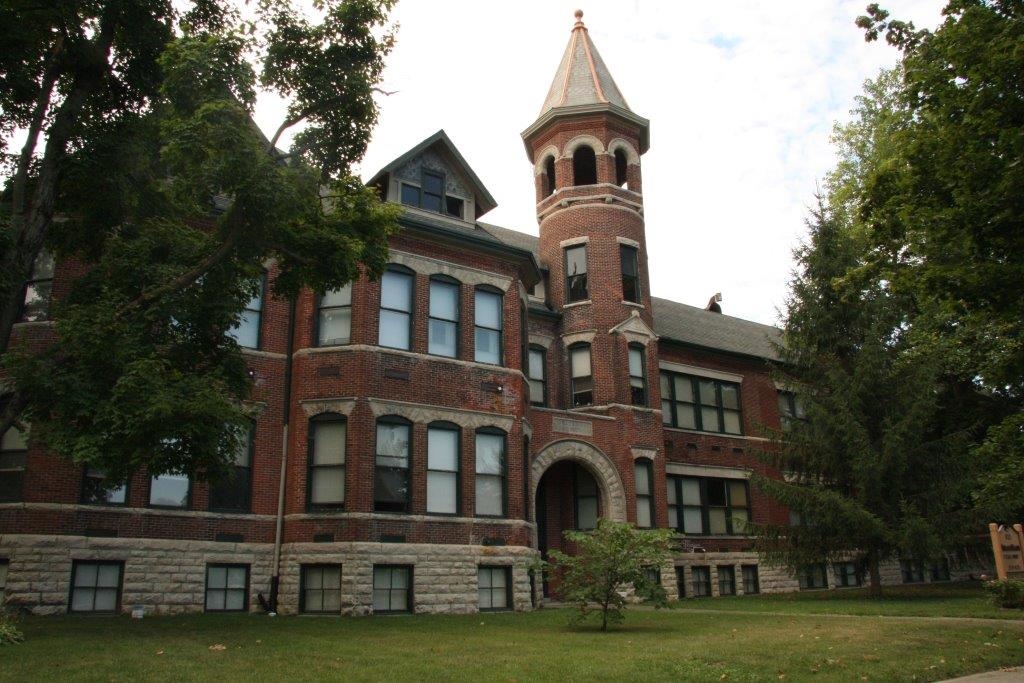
<point>430,195</point>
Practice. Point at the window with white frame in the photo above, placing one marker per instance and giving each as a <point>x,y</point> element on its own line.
<point>487,326</point>
<point>581,375</point>
<point>395,328</point>
<point>443,468</point>
<point>490,472</point>
<point>637,375</point>
<point>321,588</point>
<point>443,323</point>
<point>392,588</point>
<point>644,477</point>
<point>227,587</point>
<point>494,588</point>
<point>95,586</point>
<point>538,386</point>
<point>334,316</point>
<point>327,447</point>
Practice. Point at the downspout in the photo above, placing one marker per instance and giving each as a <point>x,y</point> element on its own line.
<point>275,575</point>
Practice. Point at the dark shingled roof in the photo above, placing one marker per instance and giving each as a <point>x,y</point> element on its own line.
<point>680,322</point>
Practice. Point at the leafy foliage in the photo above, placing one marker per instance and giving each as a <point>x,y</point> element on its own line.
<point>1008,593</point>
<point>9,633</point>
<point>608,560</point>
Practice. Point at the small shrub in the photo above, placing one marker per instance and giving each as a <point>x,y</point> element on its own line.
<point>9,633</point>
<point>1007,593</point>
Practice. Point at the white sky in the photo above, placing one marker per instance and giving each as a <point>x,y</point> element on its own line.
<point>741,96</point>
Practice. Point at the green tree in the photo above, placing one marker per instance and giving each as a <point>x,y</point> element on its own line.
<point>142,164</point>
<point>947,212</point>
<point>608,560</point>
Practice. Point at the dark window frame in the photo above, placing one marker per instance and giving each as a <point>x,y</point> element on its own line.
<point>576,497</point>
<point>444,207</point>
<point>673,403</point>
<point>573,403</point>
<point>726,579</point>
<point>75,564</point>
<point>410,314</point>
<point>236,470</point>
<point>303,588</point>
<point>499,331</point>
<point>448,427</point>
<point>701,576</point>
<point>16,473</point>
<point>259,315</point>
<point>83,489</point>
<point>751,584</point>
<point>644,399</point>
<point>448,282</point>
<point>676,481</point>
<point>790,409</point>
<point>311,468</point>
<point>536,348</point>
<point>848,574</point>
<point>318,319</point>
<point>507,570</point>
<point>34,281</point>
<point>583,291</point>
<point>188,496</point>
<point>681,581</point>
<point>206,587</point>
<point>410,593</point>
<point>632,291</point>
<point>492,431</point>
<point>912,571</point>
<point>393,420</point>
<point>648,497</point>
<point>809,575</point>
<point>938,570</point>
<point>5,570</point>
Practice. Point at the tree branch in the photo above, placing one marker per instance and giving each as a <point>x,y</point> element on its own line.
<point>310,111</point>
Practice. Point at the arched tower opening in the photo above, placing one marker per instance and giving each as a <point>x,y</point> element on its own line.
<point>584,166</point>
<point>621,178</point>
<point>549,176</point>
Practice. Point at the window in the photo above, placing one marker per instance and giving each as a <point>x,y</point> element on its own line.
<point>334,317</point>
<point>169,490</point>
<point>644,494</point>
<point>726,579</point>
<point>701,403</point>
<point>233,492</point>
<point>576,273</point>
<point>97,490</point>
<point>95,586</point>
<point>395,308</point>
<point>391,473</point>
<point>490,473</point>
<point>912,571</point>
<point>247,330</point>
<point>637,376</point>
<point>392,588</point>
<point>653,577</point>
<point>699,505</point>
<point>487,330</point>
<point>494,588</point>
<point>443,468</point>
<point>701,582</point>
<point>443,326</point>
<point>538,387</point>
<point>681,581</point>
<point>38,289</point>
<point>790,408</point>
<point>847,574</point>
<point>751,584</point>
<point>813,576</point>
<point>630,273</point>
<point>227,587</point>
<point>321,589</point>
<point>549,176</point>
<point>586,499</point>
<point>584,166</point>
<point>13,457</point>
<point>939,570</point>
<point>581,379</point>
<point>4,563</point>
<point>327,446</point>
<point>431,196</point>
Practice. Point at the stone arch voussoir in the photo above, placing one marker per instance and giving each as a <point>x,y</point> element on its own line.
<point>599,464</point>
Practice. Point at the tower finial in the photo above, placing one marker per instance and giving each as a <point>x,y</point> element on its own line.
<point>579,19</point>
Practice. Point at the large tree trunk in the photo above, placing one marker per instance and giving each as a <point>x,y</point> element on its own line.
<point>874,576</point>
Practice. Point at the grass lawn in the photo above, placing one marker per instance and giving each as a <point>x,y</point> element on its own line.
<point>668,644</point>
<point>928,600</point>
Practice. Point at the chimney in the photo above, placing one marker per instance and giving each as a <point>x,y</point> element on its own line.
<point>713,303</point>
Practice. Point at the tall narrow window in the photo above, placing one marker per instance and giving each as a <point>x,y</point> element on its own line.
<point>490,473</point>
<point>549,176</point>
<point>327,447</point>
<point>13,457</point>
<point>584,166</point>
<point>587,499</point>
<point>395,308</point>
<point>620,168</point>
<point>39,289</point>
<point>726,579</point>
<point>391,473</point>
<point>233,492</point>
<point>433,191</point>
<point>487,331</point>
<point>247,330</point>
<point>576,273</point>
<point>644,494</point>
<point>97,490</point>
<point>334,316</point>
<point>227,587</point>
<point>701,582</point>
<point>392,589</point>
<point>321,589</point>
<point>443,327</point>
<point>637,375</point>
<point>443,468</point>
<point>751,585</point>
<point>538,387</point>
<point>630,273</point>
<point>581,376</point>
<point>96,586</point>
<point>169,490</point>
<point>4,563</point>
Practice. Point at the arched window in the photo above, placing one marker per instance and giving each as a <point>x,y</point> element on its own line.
<point>490,472</point>
<point>580,375</point>
<point>549,176</point>
<point>487,327</point>
<point>644,493</point>
<point>584,166</point>
<point>620,168</point>
<point>443,439</point>
<point>327,445</point>
<point>443,327</point>
<point>395,330</point>
<point>391,483</point>
<point>334,316</point>
<point>637,375</point>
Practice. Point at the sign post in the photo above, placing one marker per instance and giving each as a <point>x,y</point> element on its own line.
<point>1007,545</point>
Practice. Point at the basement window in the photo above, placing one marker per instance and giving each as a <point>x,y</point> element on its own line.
<point>227,587</point>
<point>96,586</point>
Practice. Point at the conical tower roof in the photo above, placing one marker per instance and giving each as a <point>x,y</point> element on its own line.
<point>584,85</point>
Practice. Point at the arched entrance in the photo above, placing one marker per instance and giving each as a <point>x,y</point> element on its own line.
<point>572,484</point>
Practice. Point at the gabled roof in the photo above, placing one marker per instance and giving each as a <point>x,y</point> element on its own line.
<point>484,201</point>
<point>682,323</point>
<point>582,77</point>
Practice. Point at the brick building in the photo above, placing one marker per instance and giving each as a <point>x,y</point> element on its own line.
<point>448,422</point>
